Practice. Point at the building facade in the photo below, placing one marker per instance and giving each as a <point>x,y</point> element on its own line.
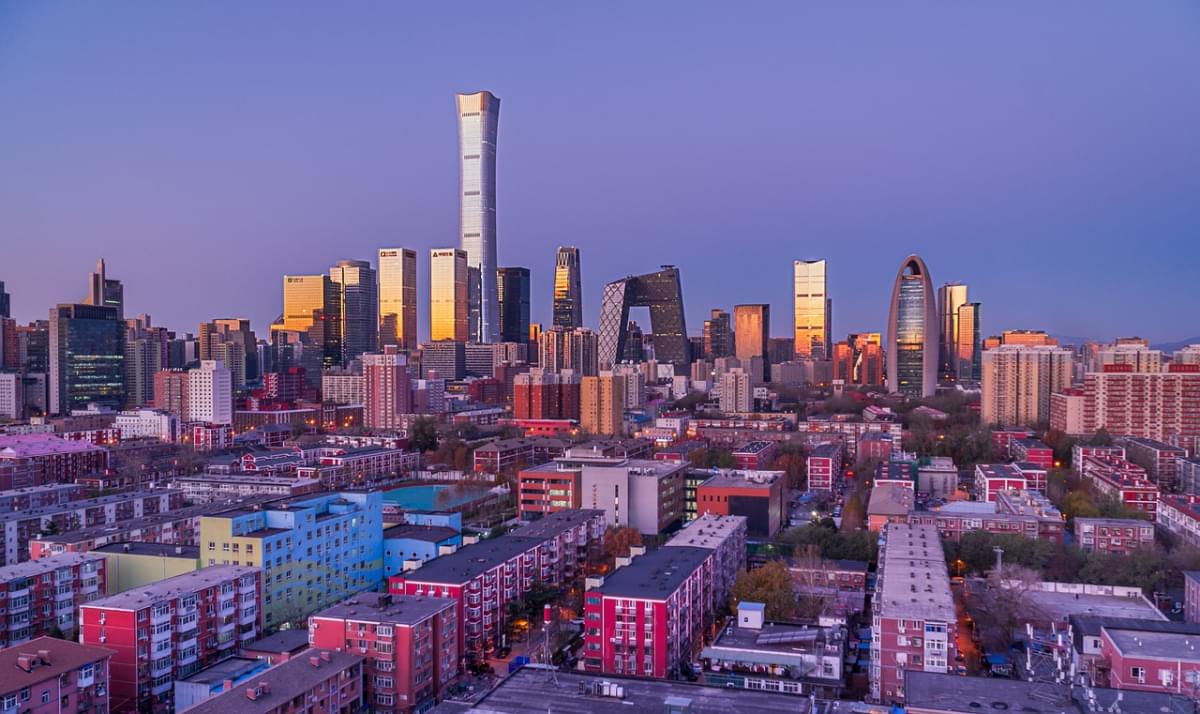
<point>813,309</point>
<point>398,297</point>
<point>568,289</point>
<point>912,344</point>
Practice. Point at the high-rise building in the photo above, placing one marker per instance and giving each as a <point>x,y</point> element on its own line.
<point>312,309</point>
<point>1152,405</point>
<point>87,357</point>
<point>950,297</point>
<point>968,350</point>
<point>859,360</point>
<point>103,291</point>
<point>912,344</point>
<point>5,305</point>
<point>752,333</point>
<point>1026,337</point>
<point>737,394</point>
<point>512,286</point>
<point>171,392</point>
<point>446,357</point>
<point>662,292</point>
<point>234,330</point>
<point>478,122</point>
<point>210,394</point>
<point>145,355</point>
<point>358,295</point>
<point>386,391</point>
<point>718,337</point>
<point>448,314</point>
<point>1139,357</point>
<point>568,291</point>
<point>601,404</point>
<point>398,297</point>
<point>562,348</point>
<point>1017,381</point>
<point>812,309</point>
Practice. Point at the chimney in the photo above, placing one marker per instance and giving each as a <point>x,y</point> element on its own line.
<point>251,693</point>
<point>325,655</point>
<point>314,661</point>
<point>25,662</point>
<point>44,656</point>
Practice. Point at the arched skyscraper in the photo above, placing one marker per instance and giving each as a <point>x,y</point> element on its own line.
<point>478,122</point>
<point>912,332</point>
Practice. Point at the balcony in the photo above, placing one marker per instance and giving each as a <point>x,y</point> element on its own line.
<point>250,589</point>
<point>226,607</point>
<point>226,626</point>
<point>159,671</point>
<point>159,617</point>
<point>189,625</point>
<point>163,634</point>
<point>247,617</point>
<point>187,658</point>
<point>186,643</point>
<point>158,689</point>
<point>248,635</point>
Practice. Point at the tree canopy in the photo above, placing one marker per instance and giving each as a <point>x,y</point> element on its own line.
<point>771,585</point>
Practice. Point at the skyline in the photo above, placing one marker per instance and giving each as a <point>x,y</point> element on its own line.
<point>1059,165</point>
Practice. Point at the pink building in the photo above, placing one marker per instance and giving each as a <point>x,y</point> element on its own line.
<point>1123,481</point>
<point>1150,661</point>
<point>1066,411</point>
<point>1180,516</point>
<point>1032,451</point>
<point>1079,452</point>
<point>1157,458</point>
<point>386,397</point>
<point>36,459</point>
<point>991,479</point>
<point>52,676</point>
<point>321,682</point>
<point>824,467</point>
<point>875,445</point>
<point>1035,475</point>
<point>1113,535</point>
<point>1156,405</point>
<point>755,455</point>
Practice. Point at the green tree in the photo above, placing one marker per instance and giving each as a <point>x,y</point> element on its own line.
<point>854,513</point>
<point>713,459</point>
<point>423,434</point>
<point>771,585</point>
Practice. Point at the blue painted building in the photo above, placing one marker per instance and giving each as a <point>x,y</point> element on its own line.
<point>418,543</point>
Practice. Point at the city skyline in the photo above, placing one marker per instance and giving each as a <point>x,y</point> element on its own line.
<point>1035,192</point>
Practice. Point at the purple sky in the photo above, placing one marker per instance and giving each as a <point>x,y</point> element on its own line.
<point>1048,154</point>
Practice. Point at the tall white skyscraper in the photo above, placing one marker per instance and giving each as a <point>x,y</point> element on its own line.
<point>398,297</point>
<point>210,394</point>
<point>478,121</point>
<point>812,308</point>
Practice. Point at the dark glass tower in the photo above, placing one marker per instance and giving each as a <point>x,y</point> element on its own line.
<point>912,345</point>
<point>662,292</point>
<point>512,284</point>
<point>568,293</point>
<point>87,357</point>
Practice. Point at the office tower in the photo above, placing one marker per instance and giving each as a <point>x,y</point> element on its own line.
<point>718,338</point>
<point>210,394</point>
<point>950,297</point>
<point>385,390</point>
<point>812,326</point>
<point>447,358</point>
<point>635,348</point>
<point>106,292</point>
<point>737,394</point>
<point>859,360</point>
<point>448,314</point>
<point>6,307</point>
<point>576,349</point>
<point>662,292</point>
<point>968,351</point>
<point>171,392</point>
<point>512,289</point>
<point>1026,337</point>
<point>478,121</point>
<point>358,294</point>
<point>145,355</point>
<point>10,345</point>
<point>235,331</point>
<point>87,357</point>
<point>568,291</point>
<point>312,310</point>
<point>912,345</point>
<point>601,400</point>
<point>398,297</point>
<point>1017,381</point>
<point>751,334</point>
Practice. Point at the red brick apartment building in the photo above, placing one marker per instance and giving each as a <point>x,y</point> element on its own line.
<point>824,467</point>
<point>39,595</point>
<point>53,676</point>
<point>1122,480</point>
<point>171,629</point>
<point>408,644</point>
<point>1113,535</point>
<point>320,682</point>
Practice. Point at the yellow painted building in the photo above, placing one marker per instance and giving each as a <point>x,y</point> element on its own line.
<point>132,565</point>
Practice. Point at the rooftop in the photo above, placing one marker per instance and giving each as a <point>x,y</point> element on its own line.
<point>62,656</point>
<point>1029,443</point>
<point>913,582</point>
<point>1152,444</point>
<point>999,471</point>
<point>1060,606</point>
<point>160,550</point>
<point>952,693</point>
<point>753,480</point>
<point>284,682</point>
<point>178,514</point>
<point>1157,645</point>
<point>775,643</point>
<point>26,446</point>
<point>567,693</point>
<point>826,450</point>
<point>41,566</point>
<point>654,575</point>
<point>31,513</point>
<point>471,561</point>
<point>754,447</point>
<point>708,531</point>
<point>233,668</point>
<point>147,595</point>
<point>1113,522</point>
<point>553,524</point>
<point>890,499</point>
<point>429,534</point>
<point>393,609</point>
<point>282,641</point>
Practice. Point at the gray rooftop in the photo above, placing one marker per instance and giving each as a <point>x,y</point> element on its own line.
<point>563,693</point>
<point>81,505</point>
<point>472,561</point>
<point>553,524</point>
<point>1156,645</point>
<point>913,582</point>
<point>953,693</point>
<point>655,575</point>
<point>1061,605</point>
<point>178,514</point>
<point>429,534</point>
<point>231,668</point>
<point>41,566</point>
<point>394,609</point>
<point>147,595</point>
<point>161,550</point>
<point>282,641</point>
<point>285,682</point>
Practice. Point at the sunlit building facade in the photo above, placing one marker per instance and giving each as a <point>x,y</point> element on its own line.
<point>312,307</point>
<point>568,290</point>
<point>358,296</point>
<point>812,309</point>
<point>968,348</point>
<point>448,310</point>
<point>912,346</point>
<point>751,333</point>
<point>951,296</point>
<point>478,123</point>
<point>398,297</point>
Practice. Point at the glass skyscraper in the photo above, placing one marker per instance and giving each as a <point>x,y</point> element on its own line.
<point>568,293</point>
<point>398,297</point>
<point>512,285</point>
<point>812,305</point>
<point>912,349</point>
<point>448,314</point>
<point>478,122</point>
<point>358,293</point>
<point>662,292</point>
<point>951,296</point>
<point>87,357</point>
<point>968,351</point>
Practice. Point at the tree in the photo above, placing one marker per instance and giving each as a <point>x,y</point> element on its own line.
<point>712,459</point>
<point>854,513</point>
<point>423,434</point>
<point>1004,605</point>
<point>619,539</point>
<point>771,585</point>
<point>794,465</point>
<point>813,594</point>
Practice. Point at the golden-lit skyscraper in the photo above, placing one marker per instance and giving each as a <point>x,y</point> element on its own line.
<point>568,295</point>
<point>312,306</point>
<point>398,297</point>
<point>751,333</point>
<point>968,353</point>
<point>812,308</point>
<point>448,309</point>
<point>951,296</point>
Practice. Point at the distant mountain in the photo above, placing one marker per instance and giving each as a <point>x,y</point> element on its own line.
<point>1066,340</point>
<point>1169,347</point>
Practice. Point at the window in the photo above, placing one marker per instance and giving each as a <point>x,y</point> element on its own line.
<point>1138,673</point>
<point>45,696</point>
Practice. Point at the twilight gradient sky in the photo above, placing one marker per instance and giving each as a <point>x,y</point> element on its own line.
<point>1048,154</point>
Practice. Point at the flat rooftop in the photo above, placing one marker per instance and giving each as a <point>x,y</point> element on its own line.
<point>284,682</point>
<point>381,607</point>
<point>282,641</point>
<point>159,550</point>
<point>232,668</point>
<point>31,513</point>
<point>147,595</point>
<point>655,575</point>
<point>1156,645</point>
<point>953,693</point>
<point>750,480</point>
<point>913,582</point>
<point>708,531</point>
<point>890,499</point>
<point>178,514</point>
<point>554,524</point>
<point>429,534</point>
<point>471,561</point>
<point>41,566</point>
<point>1061,605</point>
<point>999,470</point>
<point>565,693</point>
<point>775,643</point>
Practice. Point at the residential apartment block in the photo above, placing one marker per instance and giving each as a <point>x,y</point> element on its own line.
<point>42,597</point>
